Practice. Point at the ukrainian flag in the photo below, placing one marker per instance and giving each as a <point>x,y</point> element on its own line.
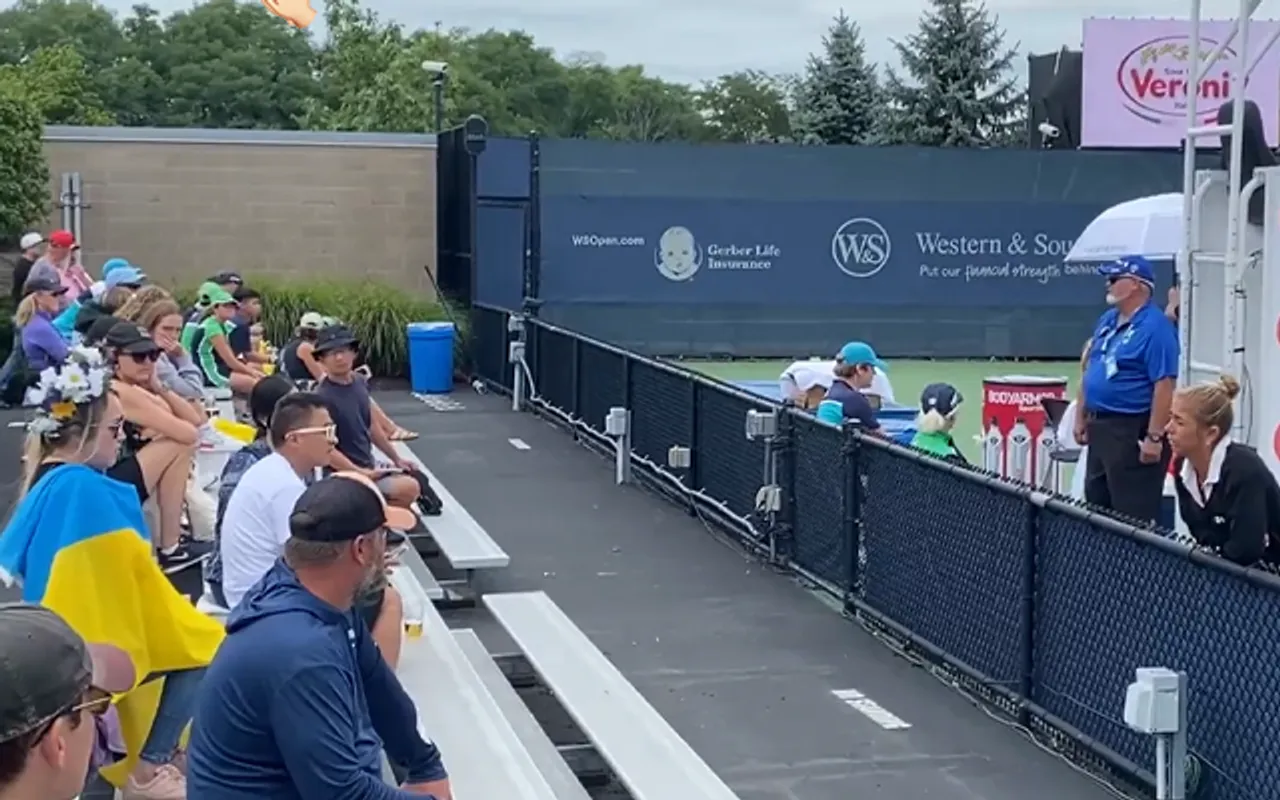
<point>78,544</point>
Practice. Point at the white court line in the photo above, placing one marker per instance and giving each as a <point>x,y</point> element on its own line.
<point>871,709</point>
<point>519,444</point>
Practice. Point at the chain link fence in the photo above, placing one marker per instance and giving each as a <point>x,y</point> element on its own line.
<point>1037,605</point>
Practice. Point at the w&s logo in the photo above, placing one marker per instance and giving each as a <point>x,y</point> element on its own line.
<point>861,247</point>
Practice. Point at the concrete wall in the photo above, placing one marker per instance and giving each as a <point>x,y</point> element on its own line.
<point>185,204</point>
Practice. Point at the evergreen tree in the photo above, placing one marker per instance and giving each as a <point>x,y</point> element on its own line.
<point>838,100</point>
<point>959,89</point>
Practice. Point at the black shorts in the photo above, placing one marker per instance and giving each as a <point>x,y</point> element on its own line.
<point>129,471</point>
<point>369,604</point>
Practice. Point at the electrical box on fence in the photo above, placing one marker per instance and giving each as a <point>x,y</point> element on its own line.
<point>679,457</point>
<point>515,323</point>
<point>515,352</point>
<point>1152,703</point>
<point>761,424</point>
<point>615,422</point>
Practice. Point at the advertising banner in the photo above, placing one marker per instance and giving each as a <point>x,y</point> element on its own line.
<point>1136,74</point>
<point>718,251</point>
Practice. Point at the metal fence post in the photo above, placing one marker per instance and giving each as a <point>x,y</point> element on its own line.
<point>851,507</point>
<point>533,253</point>
<point>1026,688</point>
<point>784,477</point>
<point>575,380</point>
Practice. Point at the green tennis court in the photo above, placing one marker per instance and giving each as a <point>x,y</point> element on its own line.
<point>910,376</point>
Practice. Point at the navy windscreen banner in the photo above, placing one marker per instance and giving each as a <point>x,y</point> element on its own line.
<point>500,247</point>
<point>645,250</point>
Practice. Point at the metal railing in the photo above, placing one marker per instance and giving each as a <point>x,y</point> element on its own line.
<point>1036,606</point>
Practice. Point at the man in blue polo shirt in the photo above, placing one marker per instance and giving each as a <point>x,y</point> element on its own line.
<point>1126,392</point>
<point>854,370</point>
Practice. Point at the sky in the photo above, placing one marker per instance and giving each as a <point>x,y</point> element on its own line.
<point>695,40</point>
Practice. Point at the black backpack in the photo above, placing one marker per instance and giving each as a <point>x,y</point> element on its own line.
<point>428,500</point>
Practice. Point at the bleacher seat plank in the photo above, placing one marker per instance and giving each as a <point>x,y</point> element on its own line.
<point>535,740</point>
<point>420,572</point>
<point>462,540</point>
<point>646,753</point>
<point>482,752</point>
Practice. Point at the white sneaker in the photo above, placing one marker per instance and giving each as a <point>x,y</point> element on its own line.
<point>208,436</point>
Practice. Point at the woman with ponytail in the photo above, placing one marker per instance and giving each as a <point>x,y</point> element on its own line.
<point>1228,499</point>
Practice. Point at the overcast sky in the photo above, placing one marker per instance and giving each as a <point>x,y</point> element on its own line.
<point>694,40</point>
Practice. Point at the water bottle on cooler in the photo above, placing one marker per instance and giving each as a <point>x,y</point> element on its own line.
<point>992,447</point>
<point>1019,458</point>
<point>1046,475</point>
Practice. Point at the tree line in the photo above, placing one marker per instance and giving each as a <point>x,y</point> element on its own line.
<point>227,64</point>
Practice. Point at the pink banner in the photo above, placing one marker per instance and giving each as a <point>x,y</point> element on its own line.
<point>1136,75</point>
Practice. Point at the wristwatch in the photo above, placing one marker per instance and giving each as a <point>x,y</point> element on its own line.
<point>1155,438</point>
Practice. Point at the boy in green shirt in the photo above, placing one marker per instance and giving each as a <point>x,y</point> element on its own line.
<point>939,404</point>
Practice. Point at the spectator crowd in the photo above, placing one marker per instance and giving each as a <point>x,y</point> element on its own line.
<point>295,696</point>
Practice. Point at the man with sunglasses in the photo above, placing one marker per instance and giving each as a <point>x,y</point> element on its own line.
<point>299,702</point>
<point>52,684</point>
<point>1126,393</point>
<point>255,524</point>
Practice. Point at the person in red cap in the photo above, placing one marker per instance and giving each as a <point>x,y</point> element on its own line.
<point>56,264</point>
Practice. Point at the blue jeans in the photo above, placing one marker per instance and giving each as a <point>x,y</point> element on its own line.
<point>6,372</point>
<point>177,705</point>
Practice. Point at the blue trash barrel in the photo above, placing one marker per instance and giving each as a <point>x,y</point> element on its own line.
<point>431,357</point>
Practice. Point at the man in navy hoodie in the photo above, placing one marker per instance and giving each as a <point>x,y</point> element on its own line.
<point>298,704</point>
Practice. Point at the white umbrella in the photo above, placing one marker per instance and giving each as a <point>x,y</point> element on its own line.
<point>1149,226</point>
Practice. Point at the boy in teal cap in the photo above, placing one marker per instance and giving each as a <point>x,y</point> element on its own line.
<point>855,370</point>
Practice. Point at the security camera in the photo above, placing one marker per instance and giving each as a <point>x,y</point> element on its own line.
<point>437,69</point>
<point>1048,130</point>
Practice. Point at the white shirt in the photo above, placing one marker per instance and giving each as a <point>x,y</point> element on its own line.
<point>256,524</point>
<point>1215,473</point>
<point>808,374</point>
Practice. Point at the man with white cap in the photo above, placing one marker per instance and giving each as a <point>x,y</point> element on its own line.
<point>1126,394</point>
<point>30,245</point>
<point>52,685</point>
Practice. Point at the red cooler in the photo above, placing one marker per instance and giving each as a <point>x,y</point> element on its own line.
<point>1016,436</point>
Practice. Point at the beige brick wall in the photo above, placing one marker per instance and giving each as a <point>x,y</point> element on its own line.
<point>185,206</point>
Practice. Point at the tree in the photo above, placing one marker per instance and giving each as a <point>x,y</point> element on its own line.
<point>24,180</point>
<point>746,106</point>
<point>838,100</point>
<point>959,89</point>
<point>55,81</point>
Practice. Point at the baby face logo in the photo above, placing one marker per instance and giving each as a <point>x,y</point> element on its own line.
<point>678,256</point>
<point>297,13</point>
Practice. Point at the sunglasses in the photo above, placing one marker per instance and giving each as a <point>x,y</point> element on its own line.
<point>142,358</point>
<point>96,706</point>
<point>330,432</point>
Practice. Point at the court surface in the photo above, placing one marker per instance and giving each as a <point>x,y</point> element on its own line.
<point>910,376</point>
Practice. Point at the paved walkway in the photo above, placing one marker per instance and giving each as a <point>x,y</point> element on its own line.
<point>742,661</point>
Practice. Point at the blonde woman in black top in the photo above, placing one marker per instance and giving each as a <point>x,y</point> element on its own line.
<point>1228,499</point>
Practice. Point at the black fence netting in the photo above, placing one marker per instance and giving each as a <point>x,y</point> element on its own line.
<point>1050,606</point>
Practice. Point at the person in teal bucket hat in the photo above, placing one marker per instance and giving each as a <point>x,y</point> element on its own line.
<point>855,369</point>
<point>65,322</point>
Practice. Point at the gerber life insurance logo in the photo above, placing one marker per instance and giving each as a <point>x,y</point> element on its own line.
<point>861,247</point>
<point>678,256</point>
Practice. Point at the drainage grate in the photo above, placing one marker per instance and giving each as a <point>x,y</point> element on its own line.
<point>439,402</point>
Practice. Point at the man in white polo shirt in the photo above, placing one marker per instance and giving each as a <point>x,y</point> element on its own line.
<point>805,383</point>
<point>256,523</point>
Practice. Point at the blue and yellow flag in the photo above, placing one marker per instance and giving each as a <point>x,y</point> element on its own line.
<point>78,544</point>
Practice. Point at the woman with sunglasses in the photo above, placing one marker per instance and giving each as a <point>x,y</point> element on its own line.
<point>76,544</point>
<point>161,432</point>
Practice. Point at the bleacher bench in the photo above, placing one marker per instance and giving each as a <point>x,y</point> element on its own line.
<point>650,759</point>
<point>464,543</point>
<point>481,750</point>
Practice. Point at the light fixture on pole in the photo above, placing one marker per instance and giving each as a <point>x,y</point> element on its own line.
<point>439,72</point>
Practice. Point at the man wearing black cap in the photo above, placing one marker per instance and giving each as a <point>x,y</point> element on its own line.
<point>298,701</point>
<point>51,686</point>
<point>351,407</point>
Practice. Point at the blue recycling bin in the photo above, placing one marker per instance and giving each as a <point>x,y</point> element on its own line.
<point>431,357</point>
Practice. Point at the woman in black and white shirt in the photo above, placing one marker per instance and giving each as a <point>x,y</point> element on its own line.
<point>1227,497</point>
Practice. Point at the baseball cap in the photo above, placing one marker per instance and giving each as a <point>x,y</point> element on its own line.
<point>264,396</point>
<point>113,264</point>
<point>98,329</point>
<point>311,321</point>
<point>45,668</point>
<point>343,506</point>
<point>62,238</point>
<point>128,337</point>
<point>41,283</point>
<point>211,294</point>
<point>30,240</point>
<point>941,397</point>
<point>227,277</point>
<point>860,353</point>
<point>1130,267</point>
<point>333,338</point>
<point>127,275</point>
